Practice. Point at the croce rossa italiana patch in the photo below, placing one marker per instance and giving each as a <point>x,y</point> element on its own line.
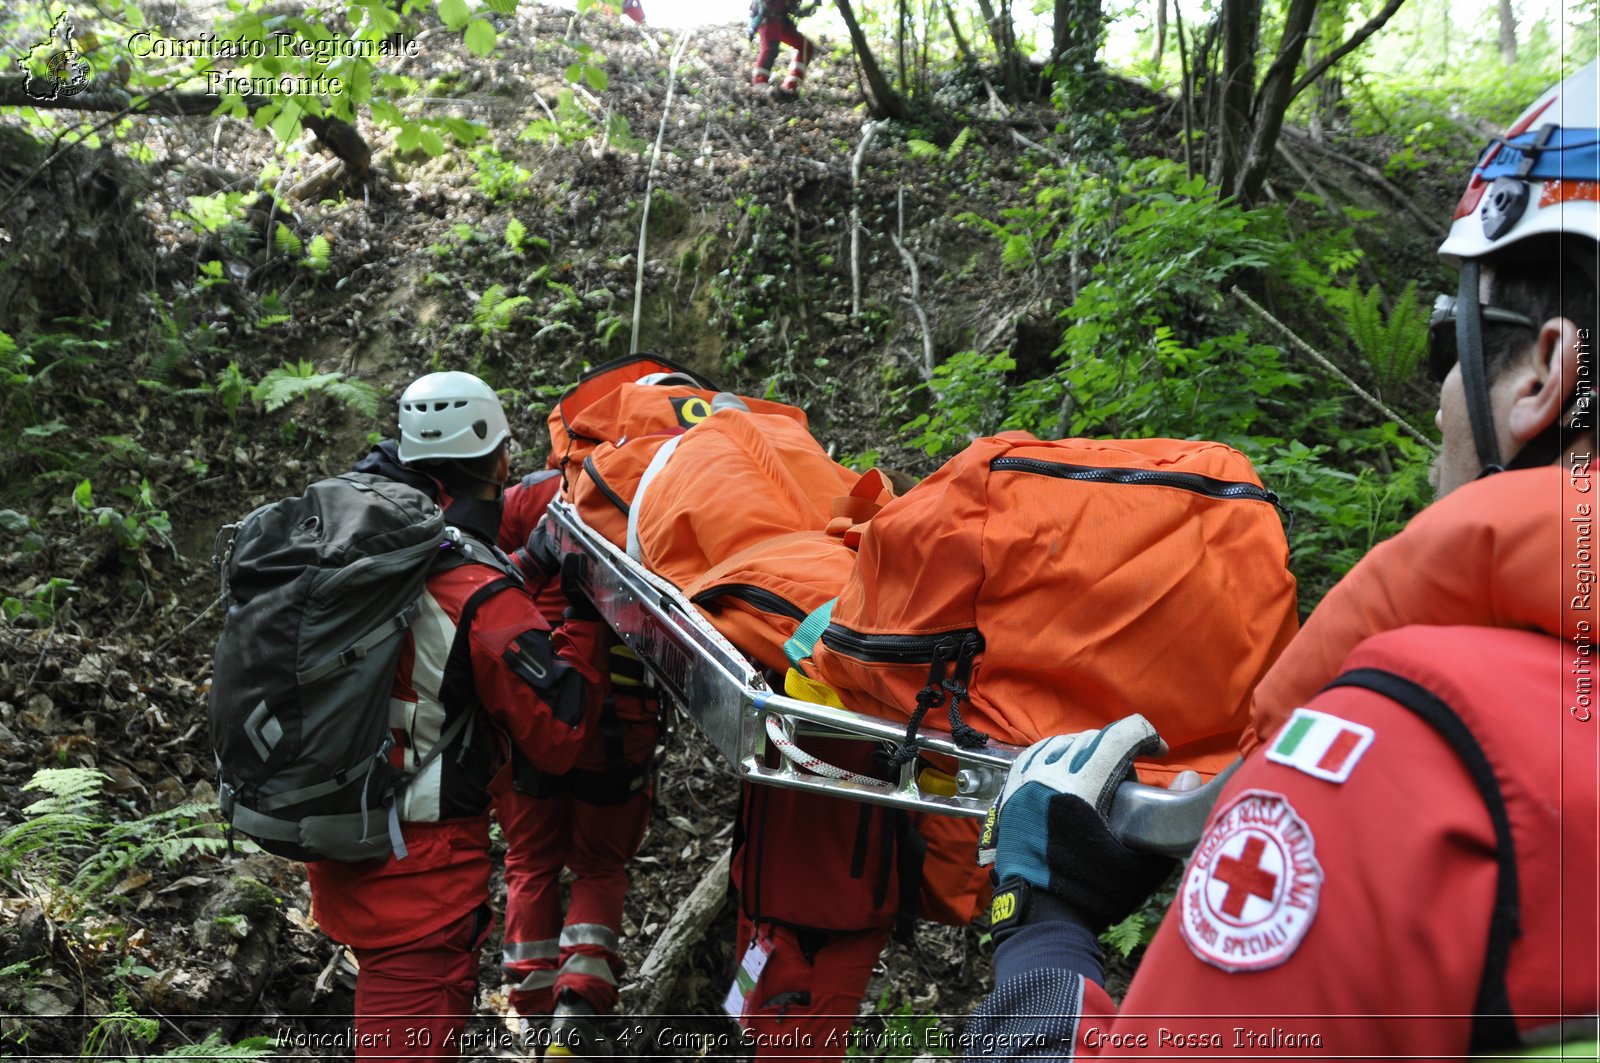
<point>1251,890</point>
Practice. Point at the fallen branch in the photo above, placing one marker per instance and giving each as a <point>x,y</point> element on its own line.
<point>678,942</point>
<point>1323,360</point>
<point>1429,225</point>
<point>649,185</point>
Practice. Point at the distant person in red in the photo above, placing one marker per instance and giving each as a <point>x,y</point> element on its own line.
<point>634,9</point>
<point>773,22</point>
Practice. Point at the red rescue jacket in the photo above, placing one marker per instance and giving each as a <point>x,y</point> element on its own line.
<point>526,685</point>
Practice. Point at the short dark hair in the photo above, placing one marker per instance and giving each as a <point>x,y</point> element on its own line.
<point>1542,278</point>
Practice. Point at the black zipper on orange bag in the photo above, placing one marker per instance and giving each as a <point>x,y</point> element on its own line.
<point>758,597</point>
<point>939,648</point>
<point>1209,486</point>
<point>949,655</point>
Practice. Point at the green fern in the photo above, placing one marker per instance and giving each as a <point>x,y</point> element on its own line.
<point>495,312</point>
<point>287,243</point>
<point>958,145</point>
<point>317,252</point>
<point>214,1047</point>
<point>60,822</point>
<point>290,382</point>
<point>922,149</point>
<point>1393,346</point>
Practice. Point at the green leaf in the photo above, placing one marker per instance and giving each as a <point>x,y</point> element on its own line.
<point>286,241</point>
<point>13,522</point>
<point>596,78</point>
<point>480,37</point>
<point>83,495</point>
<point>454,14</point>
<point>286,126</point>
<point>432,142</point>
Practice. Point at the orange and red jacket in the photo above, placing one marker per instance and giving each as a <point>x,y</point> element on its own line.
<point>1454,866</point>
<point>1513,550</point>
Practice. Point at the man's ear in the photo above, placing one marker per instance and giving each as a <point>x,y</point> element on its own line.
<point>1545,380</point>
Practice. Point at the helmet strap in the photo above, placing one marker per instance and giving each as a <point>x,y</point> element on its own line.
<point>1475,371</point>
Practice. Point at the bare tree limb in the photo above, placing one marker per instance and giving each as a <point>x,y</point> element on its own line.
<point>1323,360</point>
<point>915,298</point>
<point>649,185</point>
<point>1373,25</point>
<point>663,967</point>
<point>868,131</point>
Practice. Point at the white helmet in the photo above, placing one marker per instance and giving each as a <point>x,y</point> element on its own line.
<point>1539,178</point>
<point>450,415</point>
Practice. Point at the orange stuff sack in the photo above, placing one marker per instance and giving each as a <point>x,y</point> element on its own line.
<point>1049,587</point>
<point>569,443</point>
<point>758,597</point>
<point>734,480</point>
<point>684,503</point>
<point>631,411</point>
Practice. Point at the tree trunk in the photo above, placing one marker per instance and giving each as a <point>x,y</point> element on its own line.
<point>900,21</point>
<point>1508,33</point>
<point>1003,46</point>
<point>961,42</point>
<point>1236,82</point>
<point>1076,33</point>
<point>1272,102</point>
<point>1279,88</point>
<point>1161,33</point>
<point>882,100</point>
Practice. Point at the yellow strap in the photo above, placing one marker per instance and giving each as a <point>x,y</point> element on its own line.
<point>803,687</point>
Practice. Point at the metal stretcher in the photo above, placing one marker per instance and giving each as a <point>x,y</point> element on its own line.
<point>738,711</point>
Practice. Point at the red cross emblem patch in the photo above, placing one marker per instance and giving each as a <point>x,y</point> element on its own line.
<point>1251,889</point>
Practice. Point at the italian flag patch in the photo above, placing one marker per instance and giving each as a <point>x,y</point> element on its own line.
<point>1321,745</point>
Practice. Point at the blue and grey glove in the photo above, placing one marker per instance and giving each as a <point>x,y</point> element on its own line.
<point>1049,828</point>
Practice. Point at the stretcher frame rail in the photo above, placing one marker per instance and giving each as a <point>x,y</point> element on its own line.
<point>732,704</point>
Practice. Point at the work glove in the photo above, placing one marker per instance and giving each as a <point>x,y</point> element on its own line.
<point>579,607</point>
<point>1049,828</point>
<point>539,556</point>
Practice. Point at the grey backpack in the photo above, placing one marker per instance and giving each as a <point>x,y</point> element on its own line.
<point>320,590</point>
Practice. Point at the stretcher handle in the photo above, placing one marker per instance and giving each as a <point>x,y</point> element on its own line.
<point>1157,820</point>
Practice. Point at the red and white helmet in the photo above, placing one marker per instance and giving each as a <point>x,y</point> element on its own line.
<point>1542,177</point>
<point>450,415</point>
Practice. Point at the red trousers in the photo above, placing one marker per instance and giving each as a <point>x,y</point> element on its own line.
<point>776,31</point>
<point>804,1003</point>
<point>413,1000</point>
<point>546,951</point>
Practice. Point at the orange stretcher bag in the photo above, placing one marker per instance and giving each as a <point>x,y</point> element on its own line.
<point>1033,588</point>
<point>631,398</point>
<point>682,503</point>
<point>758,597</point>
<point>570,428</point>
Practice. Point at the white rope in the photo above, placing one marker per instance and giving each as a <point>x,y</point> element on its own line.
<point>805,761</point>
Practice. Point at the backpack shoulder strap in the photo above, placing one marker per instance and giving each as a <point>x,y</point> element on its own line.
<point>1492,1025</point>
